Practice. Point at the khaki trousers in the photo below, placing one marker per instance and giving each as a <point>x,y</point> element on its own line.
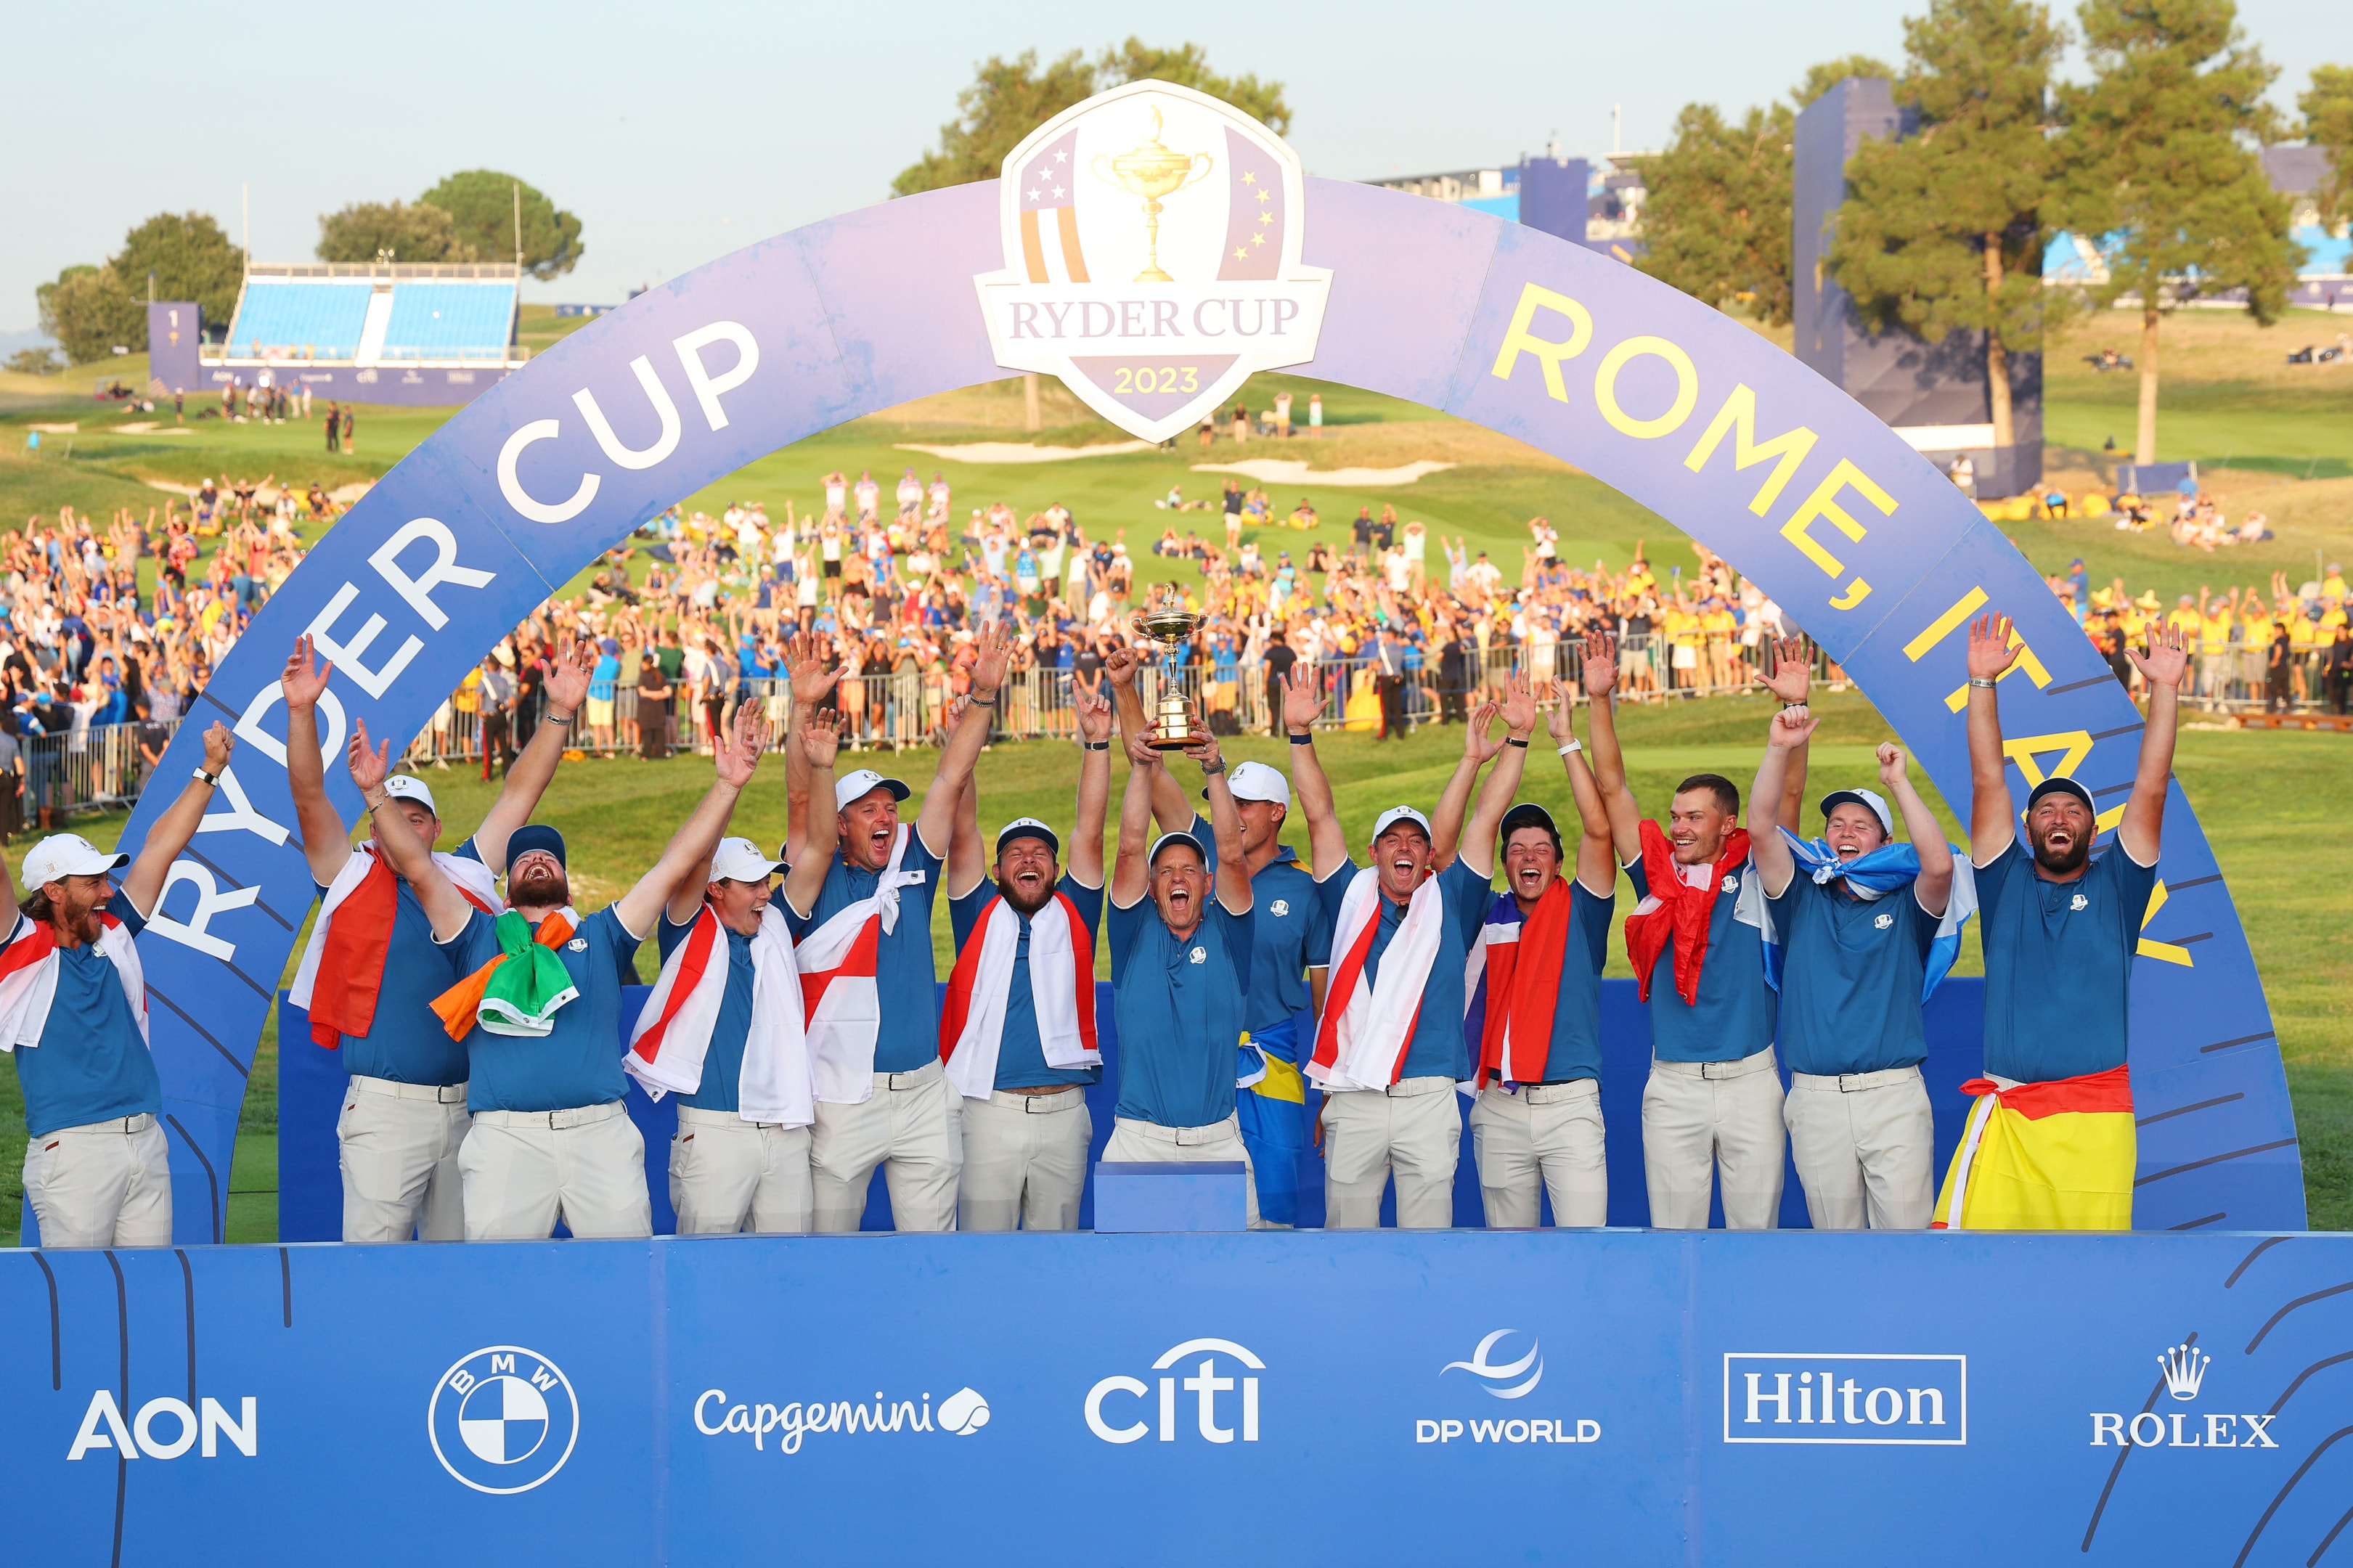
<point>1410,1129</point>
<point>1146,1143</point>
<point>1025,1160</point>
<point>1865,1146</point>
<point>728,1175</point>
<point>912,1126</point>
<point>108,1184</point>
<point>399,1144</point>
<point>1705,1123</point>
<point>1548,1136</point>
<point>524,1170</point>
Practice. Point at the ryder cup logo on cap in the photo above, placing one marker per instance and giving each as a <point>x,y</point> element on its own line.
<point>741,860</point>
<point>503,1420</point>
<point>1027,828</point>
<point>850,788</point>
<point>1256,780</point>
<point>63,854</point>
<point>1152,255</point>
<point>403,786</point>
<point>1867,799</point>
<point>1395,815</point>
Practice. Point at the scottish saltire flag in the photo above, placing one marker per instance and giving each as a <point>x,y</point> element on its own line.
<point>1254,215</point>
<point>1886,870</point>
<point>1050,224</point>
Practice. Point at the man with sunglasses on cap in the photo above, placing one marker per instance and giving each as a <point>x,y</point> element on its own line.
<point>371,969</point>
<point>1389,1048</point>
<point>2050,1144</point>
<point>1180,973</point>
<point>1863,929</point>
<point>1017,1023</point>
<point>73,1012</point>
<point>538,1008</point>
<point>1291,948</point>
<point>859,902</point>
<point>1534,1018</point>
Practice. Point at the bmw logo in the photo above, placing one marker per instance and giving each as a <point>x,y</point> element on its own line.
<point>503,1420</point>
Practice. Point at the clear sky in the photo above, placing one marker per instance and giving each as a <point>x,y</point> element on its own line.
<point>682,131</point>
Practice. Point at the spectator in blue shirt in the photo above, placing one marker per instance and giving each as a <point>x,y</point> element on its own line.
<point>96,1170</point>
<point>1180,972</point>
<point>551,1139</point>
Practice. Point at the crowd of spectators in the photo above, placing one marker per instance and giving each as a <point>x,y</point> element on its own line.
<point>2289,649</point>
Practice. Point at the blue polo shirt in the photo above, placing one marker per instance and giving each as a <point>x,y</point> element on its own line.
<point>904,975</point>
<point>1292,933</point>
<point>1178,1005</point>
<point>1575,1050</point>
<point>1851,976</point>
<point>579,1063</point>
<point>722,1060</point>
<point>405,1042</point>
<point>1437,1049</point>
<point>93,1063</point>
<point>1733,1017</point>
<point>1020,1056</point>
<point>2058,959</point>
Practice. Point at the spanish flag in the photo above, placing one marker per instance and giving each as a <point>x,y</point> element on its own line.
<point>2043,1156</point>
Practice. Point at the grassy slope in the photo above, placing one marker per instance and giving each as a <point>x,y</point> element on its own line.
<point>2264,800</point>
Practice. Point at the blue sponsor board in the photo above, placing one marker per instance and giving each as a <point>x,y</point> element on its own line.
<point>1536,1396</point>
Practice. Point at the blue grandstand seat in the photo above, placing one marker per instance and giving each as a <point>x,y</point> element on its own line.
<point>299,319</point>
<point>449,320</point>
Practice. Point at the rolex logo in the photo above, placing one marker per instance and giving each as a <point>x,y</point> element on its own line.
<point>2185,1369</point>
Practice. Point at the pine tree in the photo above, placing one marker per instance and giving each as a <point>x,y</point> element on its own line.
<point>2159,159</point>
<point>1942,231</point>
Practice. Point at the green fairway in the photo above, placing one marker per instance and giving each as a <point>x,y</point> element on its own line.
<point>2267,801</point>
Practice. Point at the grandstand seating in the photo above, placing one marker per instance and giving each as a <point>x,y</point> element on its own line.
<point>301,321</point>
<point>449,320</point>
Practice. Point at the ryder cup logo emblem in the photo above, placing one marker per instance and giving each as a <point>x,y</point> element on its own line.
<point>1152,257</point>
<point>503,1420</point>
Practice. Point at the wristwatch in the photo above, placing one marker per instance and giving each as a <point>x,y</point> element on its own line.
<point>1981,680</point>
<point>211,780</point>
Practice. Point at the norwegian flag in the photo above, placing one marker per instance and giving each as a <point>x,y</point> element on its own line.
<point>1050,227</point>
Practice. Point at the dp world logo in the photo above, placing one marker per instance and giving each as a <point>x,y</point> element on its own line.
<point>503,1420</point>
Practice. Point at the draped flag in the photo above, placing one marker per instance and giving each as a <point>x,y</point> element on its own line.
<point>2044,1156</point>
<point>1889,869</point>
<point>28,977</point>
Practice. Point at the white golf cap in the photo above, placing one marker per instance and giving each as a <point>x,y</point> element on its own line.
<point>741,860</point>
<point>63,854</point>
<point>1863,797</point>
<point>1027,828</point>
<point>1180,836</point>
<point>1397,814</point>
<point>1256,780</point>
<point>856,786</point>
<point>406,786</point>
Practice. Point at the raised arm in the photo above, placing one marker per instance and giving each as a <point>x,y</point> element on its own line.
<point>1993,824</point>
<point>1131,873</point>
<point>1225,823</point>
<point>1086,856</point>
<point>411,856</point>
<point>1791,680</point>
<point>1302,700</point>
<point>963,750</point>
<point>1935,883</point>
<point>2162,666</point>
<point>529,775</point>
<point>1785,734</point>
<point>967,858</point>
<point>815,737</point>
<point>1169,806</point>
<point>1601,672</point>
<point>1478,748</point>
<point>811,681</point>
<point>142,881</point>
<point>1596,862</point>
<point>326,844</point>
<point>1478,840</point>
<point>690,849</point>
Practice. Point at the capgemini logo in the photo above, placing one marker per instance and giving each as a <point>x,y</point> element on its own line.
<point>1495,1379</point>
<point>2185,1369</point>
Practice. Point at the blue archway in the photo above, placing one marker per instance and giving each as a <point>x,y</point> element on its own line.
<point>1682,409</point>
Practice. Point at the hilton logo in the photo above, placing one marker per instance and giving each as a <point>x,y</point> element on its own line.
<point>1921,1400</point>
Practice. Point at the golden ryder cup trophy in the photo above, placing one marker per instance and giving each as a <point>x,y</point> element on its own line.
<point>1151,171</point>
<point>1164,620</point>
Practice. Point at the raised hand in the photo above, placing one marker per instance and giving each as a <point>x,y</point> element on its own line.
<point>303,680</point>
<point>1600,667</point>
<point>820,737</point>
<point>1094,710</point>
<point>1793,675</point>
<point>1140,751</point>
<point>735,761</point>
<point>1303,698</point>
<point>805,663</point>
<point>569,673</point>
<point>1892,763</point>
<point>219,744</point>
<point>1203,748</point>
<point>368,763</point>
<point>1557,721</point>
<point>992,653</point>
<point>1476,745</point>
<point>1990,651</point>
<point>1121,665</point>
<point>1519,707</point>
<point>1791,726</point>
<point>2166,659</point>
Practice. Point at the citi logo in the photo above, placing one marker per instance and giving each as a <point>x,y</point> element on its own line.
<point>1917,1400</point>
<point>2184,1369</point>
<point>1205,1383</point>
<point>166,1429</point>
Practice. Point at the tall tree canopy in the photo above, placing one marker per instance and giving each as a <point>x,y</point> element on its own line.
<point>481,207</point>
<point>1009,99</point>
<point>2161,157</point>
<point>397,231</point>
<point>91,310</point>
<point>2327,106</point>
<point>1716,223</point>
<point>1942,231</point>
